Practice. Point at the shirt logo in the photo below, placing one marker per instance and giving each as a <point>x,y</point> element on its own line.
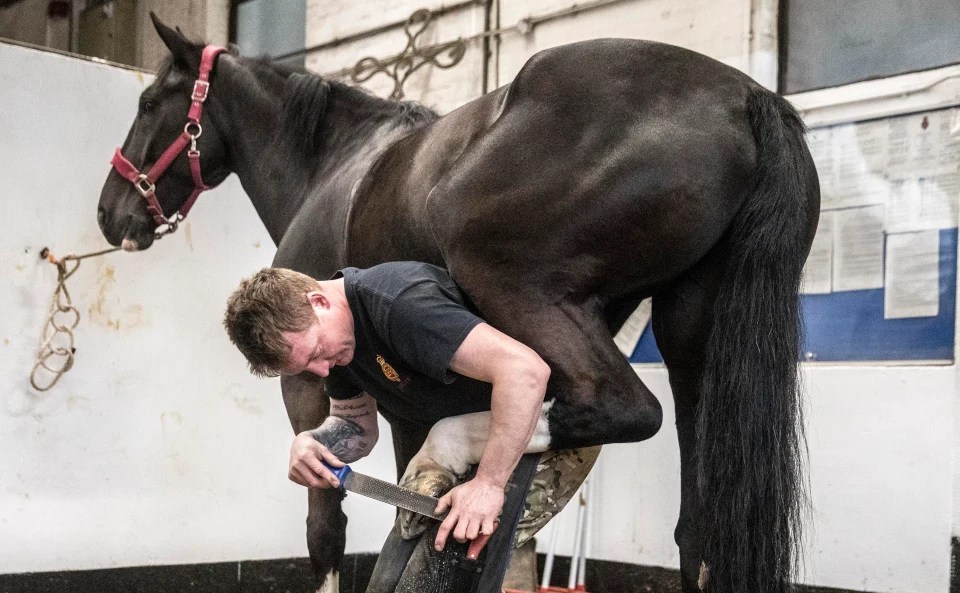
<point>388,371</point>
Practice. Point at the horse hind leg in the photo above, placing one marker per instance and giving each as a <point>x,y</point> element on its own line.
<point>599,399</point>
<point>681,323</point>
<point>737,489</point>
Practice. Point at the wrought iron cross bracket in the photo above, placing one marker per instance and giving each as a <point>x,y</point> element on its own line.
<point>412,58</point>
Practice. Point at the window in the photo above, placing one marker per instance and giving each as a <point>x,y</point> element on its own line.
<point>825,43</point>
<point>270,28</point>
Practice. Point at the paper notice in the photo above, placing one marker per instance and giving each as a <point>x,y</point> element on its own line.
<point>923,203</point>
<point>949,153</point>
<point>903,206</point>
<point>898,146</point>
<point>818,271</point>
<point>938,201</point>
<point>924,142</point>
<point>911,286</point>
<point>858,248</point>
<point>820,143</point>
<point>872,138</point>
<point>860,159</point>
<point>948,156</point>
<point>851,162</point>
<point>629,335</point>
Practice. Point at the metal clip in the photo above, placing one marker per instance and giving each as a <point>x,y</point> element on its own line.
<point>193,137</point>
<point>172,224</point>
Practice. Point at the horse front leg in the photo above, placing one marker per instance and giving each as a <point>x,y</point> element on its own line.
<point>307,407</point>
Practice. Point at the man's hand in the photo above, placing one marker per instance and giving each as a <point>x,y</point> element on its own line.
<point>349,433</point>
<point>474,510</point>
<point>306,467</point>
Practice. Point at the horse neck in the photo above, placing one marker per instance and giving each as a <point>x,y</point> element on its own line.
<point>245,104</point>
<point>274,171</point>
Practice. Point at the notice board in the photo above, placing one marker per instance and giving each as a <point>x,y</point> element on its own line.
<point>880,282</point>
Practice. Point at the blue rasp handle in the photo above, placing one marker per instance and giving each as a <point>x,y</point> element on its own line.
<point>340,472</point>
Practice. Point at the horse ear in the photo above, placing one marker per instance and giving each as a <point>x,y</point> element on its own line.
<point>186,54</point>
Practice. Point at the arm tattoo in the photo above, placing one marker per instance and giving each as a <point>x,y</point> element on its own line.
<point>352,411</point>
<point>344,438</point>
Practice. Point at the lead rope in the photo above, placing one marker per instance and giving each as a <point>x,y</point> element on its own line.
<point>57,341</point>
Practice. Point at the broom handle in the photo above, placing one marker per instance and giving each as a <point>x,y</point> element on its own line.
<point>548,561</point>
<point>582,573</point>
<point>577,542</point>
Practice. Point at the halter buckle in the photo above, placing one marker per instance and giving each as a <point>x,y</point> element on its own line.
<point>144,185</point>
<point>200,90</point>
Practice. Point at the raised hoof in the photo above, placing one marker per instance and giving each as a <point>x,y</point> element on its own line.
<point>426,477</point>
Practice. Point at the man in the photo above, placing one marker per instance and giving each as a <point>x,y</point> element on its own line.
<point>399,335</point>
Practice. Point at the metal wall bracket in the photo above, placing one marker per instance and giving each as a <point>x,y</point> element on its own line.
<point>413,57</point>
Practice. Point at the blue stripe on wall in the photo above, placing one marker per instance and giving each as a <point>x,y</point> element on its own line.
<point>849,326</point>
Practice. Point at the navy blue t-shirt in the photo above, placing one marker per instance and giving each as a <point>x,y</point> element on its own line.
<point>409,319</point>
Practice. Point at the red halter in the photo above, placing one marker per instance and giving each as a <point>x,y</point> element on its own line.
<point>146,182</point>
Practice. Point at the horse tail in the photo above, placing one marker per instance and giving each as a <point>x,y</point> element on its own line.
<point>750,444</point>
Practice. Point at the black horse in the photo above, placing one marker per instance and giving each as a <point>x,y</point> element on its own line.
<point>608,171</point>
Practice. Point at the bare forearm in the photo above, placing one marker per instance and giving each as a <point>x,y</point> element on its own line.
<point>350,432</point>
<point>515,412</point>
<point>519,379</point>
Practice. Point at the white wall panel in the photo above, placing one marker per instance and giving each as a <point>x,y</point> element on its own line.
<point>158,446</point>
<point>881,477</point>
<point>881,451</point>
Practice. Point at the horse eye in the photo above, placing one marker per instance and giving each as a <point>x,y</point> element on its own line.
<point>148,106</point>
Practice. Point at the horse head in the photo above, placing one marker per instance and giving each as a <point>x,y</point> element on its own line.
<point>157,171</point>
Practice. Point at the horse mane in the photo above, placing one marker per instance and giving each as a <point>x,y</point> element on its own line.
<point>306,97</point>
<point>408,112</point>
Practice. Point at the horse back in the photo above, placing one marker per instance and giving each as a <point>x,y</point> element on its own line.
<point>387,218</point>
<point>611,152</point>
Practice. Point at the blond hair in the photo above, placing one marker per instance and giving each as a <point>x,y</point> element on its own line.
<point>272,301</point>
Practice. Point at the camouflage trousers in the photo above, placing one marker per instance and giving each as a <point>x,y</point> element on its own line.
<point>557,478</point>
